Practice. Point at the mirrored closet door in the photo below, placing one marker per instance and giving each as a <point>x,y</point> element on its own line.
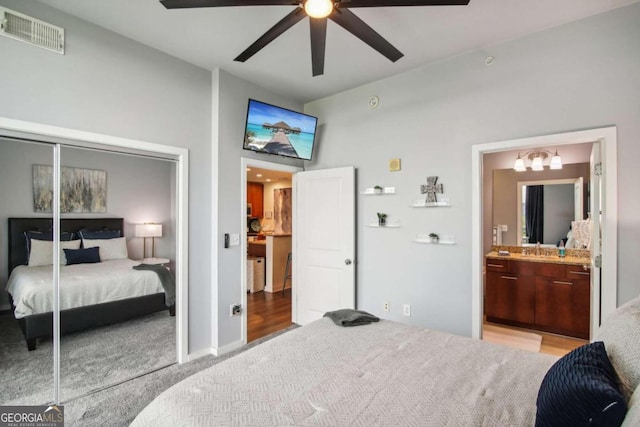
<point>87,269</point>
<point>116,322</point>
<point>27,261</point>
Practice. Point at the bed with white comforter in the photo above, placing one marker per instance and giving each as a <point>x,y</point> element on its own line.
<point>390,374</point>
<point>383,374</point>
<point>80,285</point>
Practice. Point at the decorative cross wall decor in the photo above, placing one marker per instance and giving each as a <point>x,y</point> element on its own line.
<point>431,189</point>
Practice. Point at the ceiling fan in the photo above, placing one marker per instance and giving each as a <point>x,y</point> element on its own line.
<point>318,11</point>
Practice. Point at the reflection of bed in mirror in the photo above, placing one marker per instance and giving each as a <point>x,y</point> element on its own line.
<point>91,294</point>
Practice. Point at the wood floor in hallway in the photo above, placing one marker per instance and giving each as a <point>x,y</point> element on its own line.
<point>267,313</point>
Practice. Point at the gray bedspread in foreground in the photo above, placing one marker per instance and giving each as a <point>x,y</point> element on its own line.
<point>382,374</point>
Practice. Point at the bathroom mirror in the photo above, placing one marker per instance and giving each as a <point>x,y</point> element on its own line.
<point>546,209</point>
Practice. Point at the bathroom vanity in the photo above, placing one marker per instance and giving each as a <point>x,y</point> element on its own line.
<point>542,292</point>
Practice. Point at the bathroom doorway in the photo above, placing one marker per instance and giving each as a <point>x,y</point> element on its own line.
<point>603,298</point>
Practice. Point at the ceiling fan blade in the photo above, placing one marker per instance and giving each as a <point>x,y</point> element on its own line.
<point>318,42</point>
<point>384,3</point>
<point>356,26</point>
<point>285,23</point>
<point>183,4</point>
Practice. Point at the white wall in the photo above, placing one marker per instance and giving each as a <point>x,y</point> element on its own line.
<point>107,83</point>
<point>138,190</point>
<point>231,95</point>
<point>581,75</point>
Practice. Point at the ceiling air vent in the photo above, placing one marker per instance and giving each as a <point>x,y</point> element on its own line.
<point>30,30</point>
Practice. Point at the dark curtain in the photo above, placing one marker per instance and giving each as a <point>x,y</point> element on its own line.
<point>535,213</point>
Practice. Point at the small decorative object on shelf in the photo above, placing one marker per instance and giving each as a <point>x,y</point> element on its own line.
<point>382,219</point>
<point>434,238</point>
<point>431,188</point>
<point>377,189</point>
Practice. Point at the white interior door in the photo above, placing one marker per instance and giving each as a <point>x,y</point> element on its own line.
<point>324,247</point>
<point>595,209</point>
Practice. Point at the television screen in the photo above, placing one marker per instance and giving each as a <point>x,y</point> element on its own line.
<point>279,131</point>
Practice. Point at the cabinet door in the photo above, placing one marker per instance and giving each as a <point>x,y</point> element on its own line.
<point>255,196</point>
<point>509,297</point>
<point>562,305</point>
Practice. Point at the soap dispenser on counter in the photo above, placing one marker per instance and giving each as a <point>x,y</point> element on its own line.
<point>561,249</point>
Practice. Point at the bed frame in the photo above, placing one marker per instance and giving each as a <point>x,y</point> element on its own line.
<point>76,319</point>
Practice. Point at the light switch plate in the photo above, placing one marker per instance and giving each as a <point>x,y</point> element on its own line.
<point>234,240</point>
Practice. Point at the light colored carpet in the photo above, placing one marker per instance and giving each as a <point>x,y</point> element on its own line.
<point>119,405</point>
<point>89,360</point>
<point>512,338</point>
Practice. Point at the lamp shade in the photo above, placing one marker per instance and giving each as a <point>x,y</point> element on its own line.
<point>536,164</point>
<point>148,230</point>
<point>556,162</point>
<point>519,165</point>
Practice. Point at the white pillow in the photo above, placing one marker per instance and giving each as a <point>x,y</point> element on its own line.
<point>109,248</point>
<point>42,251</point>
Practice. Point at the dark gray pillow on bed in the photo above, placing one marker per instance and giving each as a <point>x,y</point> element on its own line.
<point>99,234</point>
<point>350,317</point>
<point>46,235</point>
<point>82,256</point>
<point>580,389</point>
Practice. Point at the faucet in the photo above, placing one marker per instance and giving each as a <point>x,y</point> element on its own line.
<point>538,249</point>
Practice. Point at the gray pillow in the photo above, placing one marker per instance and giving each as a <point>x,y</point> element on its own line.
<point>621,336</point>
<point>632,419</point>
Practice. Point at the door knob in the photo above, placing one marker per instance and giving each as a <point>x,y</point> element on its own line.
<point>347,261</point>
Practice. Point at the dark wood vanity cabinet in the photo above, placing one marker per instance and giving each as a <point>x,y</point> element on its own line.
<point>563,300</point>
<point>509,292</point>
<point>539,295</point>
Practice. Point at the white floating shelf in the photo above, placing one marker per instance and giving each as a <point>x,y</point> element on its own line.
<point>444,240</point>
<point>372,192</point>
<point>440,242</point>
<point>376,225</point>
<point>423,204</point>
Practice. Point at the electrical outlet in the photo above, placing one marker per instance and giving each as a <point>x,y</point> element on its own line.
<point>385,307</point>
<point>406,310</point>
<point>235,310</point>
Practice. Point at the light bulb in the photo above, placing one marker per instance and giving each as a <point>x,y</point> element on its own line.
<point>318,8</point>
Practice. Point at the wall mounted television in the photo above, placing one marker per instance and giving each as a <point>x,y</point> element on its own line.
<point>275,130</point>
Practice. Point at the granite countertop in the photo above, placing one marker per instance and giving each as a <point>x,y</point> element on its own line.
<point>257,242</point>
<point>555,259</point>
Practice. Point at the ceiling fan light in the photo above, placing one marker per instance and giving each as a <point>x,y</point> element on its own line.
<point>318,8</point>
<point>519,165</point>
<point>536,164</point>
<point>556,162</point>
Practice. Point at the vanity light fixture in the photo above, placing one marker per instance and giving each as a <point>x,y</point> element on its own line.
<point>519,165</point>
<point>537,157</point>
<point>556,161</point>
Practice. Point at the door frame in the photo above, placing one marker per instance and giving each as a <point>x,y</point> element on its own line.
<point>607,136</point>
<point>77,138</point>
<point>246,162</point>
